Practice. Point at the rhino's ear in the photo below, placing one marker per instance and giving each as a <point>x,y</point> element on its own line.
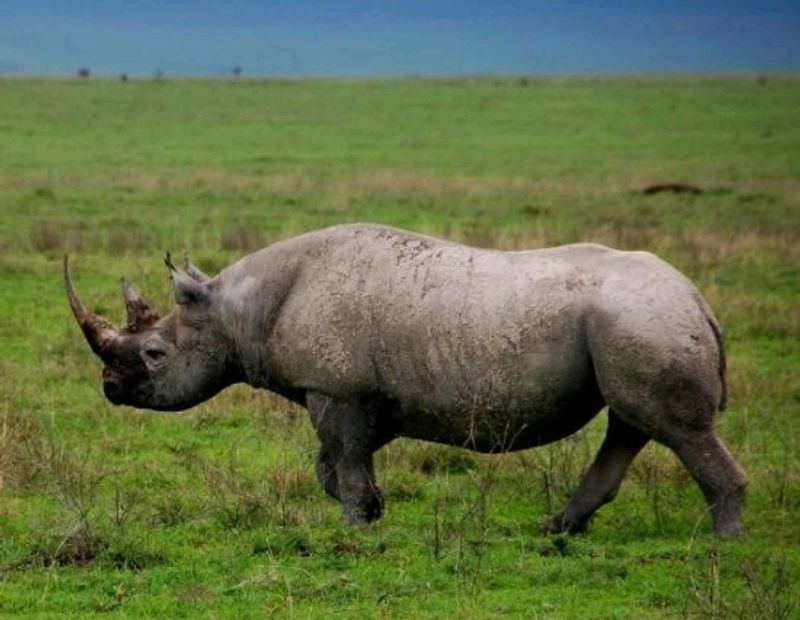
<point>194,271</point>
<point>188,291</point>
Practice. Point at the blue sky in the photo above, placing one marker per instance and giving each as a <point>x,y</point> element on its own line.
<point>359,38</point>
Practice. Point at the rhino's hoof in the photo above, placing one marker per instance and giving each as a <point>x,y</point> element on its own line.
<point>559,524</point>
<point>729,530</point>
<point>365,513</point>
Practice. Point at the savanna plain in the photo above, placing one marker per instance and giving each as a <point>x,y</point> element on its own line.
<point>216,512</point>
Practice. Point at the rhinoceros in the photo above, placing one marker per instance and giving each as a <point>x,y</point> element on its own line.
<point>382,333</point>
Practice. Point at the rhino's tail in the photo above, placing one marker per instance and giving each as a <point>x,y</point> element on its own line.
<point>723,366</point>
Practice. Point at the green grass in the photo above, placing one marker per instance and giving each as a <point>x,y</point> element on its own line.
<point>216,512</point>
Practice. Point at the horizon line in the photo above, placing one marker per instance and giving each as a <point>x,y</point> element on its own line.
<point>160,75</point>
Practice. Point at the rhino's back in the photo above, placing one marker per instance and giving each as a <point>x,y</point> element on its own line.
<point>438,326</point>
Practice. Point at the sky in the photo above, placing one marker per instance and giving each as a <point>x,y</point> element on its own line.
<point>283,38</point>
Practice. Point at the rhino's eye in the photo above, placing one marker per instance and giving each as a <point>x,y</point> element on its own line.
<point>154,353</point>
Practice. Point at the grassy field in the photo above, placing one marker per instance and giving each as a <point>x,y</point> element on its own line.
<point>216,512</point>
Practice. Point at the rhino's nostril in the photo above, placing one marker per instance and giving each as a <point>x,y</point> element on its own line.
<point>111,387</point>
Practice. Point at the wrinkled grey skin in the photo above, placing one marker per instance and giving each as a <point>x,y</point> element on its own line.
<point>382,333</point>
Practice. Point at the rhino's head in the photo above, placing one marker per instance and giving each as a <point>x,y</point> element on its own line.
<point>168,363</point>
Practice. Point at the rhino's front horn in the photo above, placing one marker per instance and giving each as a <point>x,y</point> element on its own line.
<point>98,331</point>
<point>140,315</point>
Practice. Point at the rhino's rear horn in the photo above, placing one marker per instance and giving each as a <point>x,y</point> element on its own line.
<point>98,331</point>
<point>140,315</point>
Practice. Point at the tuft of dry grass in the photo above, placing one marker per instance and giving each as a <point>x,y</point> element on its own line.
<point>22,452</point>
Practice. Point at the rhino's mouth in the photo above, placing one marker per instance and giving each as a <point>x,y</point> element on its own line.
<point>115,396</point>
<point>119,390</point>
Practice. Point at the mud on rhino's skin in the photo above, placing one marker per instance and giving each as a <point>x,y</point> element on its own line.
<point>383,333</point>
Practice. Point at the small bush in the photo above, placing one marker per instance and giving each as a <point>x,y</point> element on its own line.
<point>768,592</point>
<point>79,546</point>
<point>22,452</point>
<point>237,501</point>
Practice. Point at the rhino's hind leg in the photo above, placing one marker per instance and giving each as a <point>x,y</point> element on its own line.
<point>668,385</point>
<point>721,480</point>
<point>602,481</point>
<point>349,436</point>
<point>686,427</point>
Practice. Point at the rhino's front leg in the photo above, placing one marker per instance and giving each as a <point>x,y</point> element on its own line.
<point>326,474</point>
<point>349,435</point>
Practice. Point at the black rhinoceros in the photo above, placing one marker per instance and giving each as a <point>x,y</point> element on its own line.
<point>383,333</point>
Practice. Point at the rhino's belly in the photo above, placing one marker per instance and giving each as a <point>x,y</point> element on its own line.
<point>501,409</point>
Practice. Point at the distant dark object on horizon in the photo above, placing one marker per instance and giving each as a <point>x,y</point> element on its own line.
<point>237,71</point>
<point>158,75</point>
<point>84,72</point>
<point>123,77</point>
<point>675,188</point>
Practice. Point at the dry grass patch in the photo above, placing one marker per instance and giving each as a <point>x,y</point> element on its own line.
<point>22,452</point>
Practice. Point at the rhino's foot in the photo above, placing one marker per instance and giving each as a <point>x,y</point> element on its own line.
<point>728,530</point>
<point>726,513</point>
<point>366,512</point>
<point>559,524</point>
